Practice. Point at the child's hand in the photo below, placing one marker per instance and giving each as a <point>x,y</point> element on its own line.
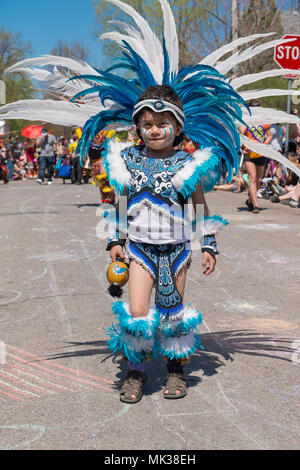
<point>208,263</point>
<point>117,252</point>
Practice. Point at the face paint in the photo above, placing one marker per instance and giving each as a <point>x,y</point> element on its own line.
<point>158,132</point>
<point>144,133</point>
<point>170,132</point>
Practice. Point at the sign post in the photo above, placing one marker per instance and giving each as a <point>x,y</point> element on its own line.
<point>287,55</point>
<point>2,92</point>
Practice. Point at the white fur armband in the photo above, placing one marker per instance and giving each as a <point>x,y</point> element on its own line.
<point>118,174</point>
<point>187,178</point>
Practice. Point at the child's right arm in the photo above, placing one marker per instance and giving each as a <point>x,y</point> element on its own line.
<point>117,252</point>
<point>116,244</point>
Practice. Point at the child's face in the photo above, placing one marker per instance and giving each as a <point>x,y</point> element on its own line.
<point>158,131</point>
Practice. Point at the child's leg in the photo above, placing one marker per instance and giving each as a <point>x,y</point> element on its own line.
<point>133,337</point>
<point>174,365</point>
<point>181,280</point>
<point>251,169</point>
<point>140,287</point>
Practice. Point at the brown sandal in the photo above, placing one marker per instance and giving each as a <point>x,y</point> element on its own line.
<point>249,204</point>
<point>133,385</point>
<point>175,382</point>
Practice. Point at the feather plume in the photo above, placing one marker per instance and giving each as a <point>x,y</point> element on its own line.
<point>213,58</point>
<point>268,116</point>
<point>170,39</point>
<point>237,58</point>
<point>56,79</point>
<point>150,43</point>
<point>56,112</point>
<point>254,77</point>
<point>75,66</point>
<point>255,94</point>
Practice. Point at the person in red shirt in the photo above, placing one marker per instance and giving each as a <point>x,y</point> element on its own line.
<point>29,148</point>
<point>255,163</point>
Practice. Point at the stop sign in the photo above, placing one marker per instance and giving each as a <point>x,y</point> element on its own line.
<point>288,55</point>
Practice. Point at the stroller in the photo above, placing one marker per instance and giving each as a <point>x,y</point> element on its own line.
<point>65,169</point>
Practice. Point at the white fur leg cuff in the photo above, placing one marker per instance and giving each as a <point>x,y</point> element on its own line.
<point>133,337</point>
<point>181,347</point>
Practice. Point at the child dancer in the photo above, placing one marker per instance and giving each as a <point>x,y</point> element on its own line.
<point>165,104</point>
<point>209,112</point>
<point>159,251</point>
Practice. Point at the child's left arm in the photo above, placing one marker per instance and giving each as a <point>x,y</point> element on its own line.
<point>208,242</point>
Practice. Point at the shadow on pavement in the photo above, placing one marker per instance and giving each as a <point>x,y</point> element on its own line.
<point>219,350</point>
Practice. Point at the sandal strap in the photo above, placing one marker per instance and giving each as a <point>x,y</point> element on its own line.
<point>134,382</point>
<point>175,381</point>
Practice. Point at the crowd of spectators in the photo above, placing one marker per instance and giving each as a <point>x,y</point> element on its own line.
<point>277,182</point>
<point>46,157</point>
<point>39,159</point>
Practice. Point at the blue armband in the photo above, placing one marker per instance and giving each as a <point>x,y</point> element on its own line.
<point>209,243</point>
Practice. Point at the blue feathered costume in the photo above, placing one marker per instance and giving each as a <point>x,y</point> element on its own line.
<point>211,110</point>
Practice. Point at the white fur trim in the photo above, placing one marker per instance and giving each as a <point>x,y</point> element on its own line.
<point>187,171</point>
<point>213,226</point>
<point>116,164</point>
<point>149,317</point>
<point>137,344</point>
<point>181,346</point>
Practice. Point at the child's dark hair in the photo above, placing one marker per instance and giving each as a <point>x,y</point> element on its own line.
<point>164,93</point>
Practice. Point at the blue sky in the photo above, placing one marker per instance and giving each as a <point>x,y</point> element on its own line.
<point>43,23</point>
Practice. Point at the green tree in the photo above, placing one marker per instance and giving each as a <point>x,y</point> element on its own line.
<point>18,85</point>
<point>257,16</point>
<point>73,50</point>
<point>199,31</point>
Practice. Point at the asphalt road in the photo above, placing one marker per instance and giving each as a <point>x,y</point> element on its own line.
<point>59,382</point>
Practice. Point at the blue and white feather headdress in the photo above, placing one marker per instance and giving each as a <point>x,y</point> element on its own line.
<point>212,106</point>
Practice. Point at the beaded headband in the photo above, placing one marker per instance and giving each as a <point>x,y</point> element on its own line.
<point>159,106</point>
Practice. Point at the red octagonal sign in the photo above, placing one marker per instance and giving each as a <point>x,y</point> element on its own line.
<point>287,55</point>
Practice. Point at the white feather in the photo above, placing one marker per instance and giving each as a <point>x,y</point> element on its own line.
<point>255,94</point>
<point>56,112</point>
<point>171,39</point>
<point>237,58</point>
<point>180,346</point>
<point>268,116</point>
<point>150,42</point>
<point>212,58</point>
<point>269,152</point>
<point>138,46</point>
<point>56,79</point>
<point>137,344</point>
<point>130,30</point>
<point>73,65</point>
<point>254,77</point>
